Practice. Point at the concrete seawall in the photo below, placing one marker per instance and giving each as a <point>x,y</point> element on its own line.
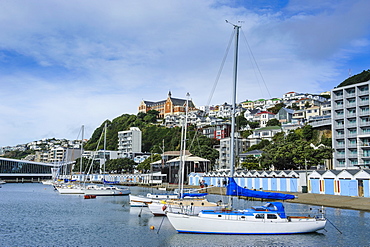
<point>345,202</point>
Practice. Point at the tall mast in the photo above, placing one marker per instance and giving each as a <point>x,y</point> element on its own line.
<point>235,78</point>
<point>233,107</point>
<point>105,147</point>
<point>183,148</point>
<point>82,150</point>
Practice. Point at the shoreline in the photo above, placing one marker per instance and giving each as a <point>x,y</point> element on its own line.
<point>334,201</point>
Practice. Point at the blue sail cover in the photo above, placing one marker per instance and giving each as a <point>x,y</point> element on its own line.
<point>110,182</point>
<point>233,189</point>
<point>194,195</point>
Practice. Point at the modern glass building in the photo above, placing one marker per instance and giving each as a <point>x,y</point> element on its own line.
<point>351,126</point>
<point>16,170</point>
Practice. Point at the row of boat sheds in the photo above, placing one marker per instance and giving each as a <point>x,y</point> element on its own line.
<point>330,182</point>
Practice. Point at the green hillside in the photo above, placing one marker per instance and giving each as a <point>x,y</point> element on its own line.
<point>153,135</point>
<point>362,77</point>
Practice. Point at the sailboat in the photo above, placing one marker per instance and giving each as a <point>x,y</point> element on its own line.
<point>189,202</point>
<point>267,219</point>
<point>97,190</point>
<point>70,186</point>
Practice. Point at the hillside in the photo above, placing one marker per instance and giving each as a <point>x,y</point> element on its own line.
<point>153,136</point>
<point>362,77</point>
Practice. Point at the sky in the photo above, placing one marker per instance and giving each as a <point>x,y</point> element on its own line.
<point>64,64</point>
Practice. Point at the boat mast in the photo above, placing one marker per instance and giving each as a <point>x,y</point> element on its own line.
<point>183,148</point>
<point>105,148</point>
<point>233,107</point>
<point>82,149</point>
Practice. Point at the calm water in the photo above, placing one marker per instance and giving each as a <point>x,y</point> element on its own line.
<point>36,215</point>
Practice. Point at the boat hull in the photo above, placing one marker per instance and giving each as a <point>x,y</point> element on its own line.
<point>107,193</point>
<point>139,201</point>
<point>71,191</point>
<point>196,224</point>
<point>190,207</point>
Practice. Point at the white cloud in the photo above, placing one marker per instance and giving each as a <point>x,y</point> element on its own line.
<point>68,63</point>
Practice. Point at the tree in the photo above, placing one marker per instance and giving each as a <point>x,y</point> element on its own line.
<point>251,163</point>
<point>291,153</point>
<point>294,106</point>
<point>85,164</point>
<point>275,109</point>
<point>203,147</point>
<point>273,122</point>
<point>120,165</point>
<point>307,132</point>
<point>241,121</point>
<point>145,165</point>
<point>261,145</point>
<point>254,125</point>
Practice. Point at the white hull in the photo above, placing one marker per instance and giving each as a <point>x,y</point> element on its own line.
<point>142,201</point>
<point>198,224</point>
<point>105,191</point>
<point>48,182</point>
<point>71,190</point>
<point>139,201</point>
<point>191,207</point>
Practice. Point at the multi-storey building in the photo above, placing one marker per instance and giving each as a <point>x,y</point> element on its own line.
<point>224,150</point>
<point>129,141</point>
<point>351,126</point>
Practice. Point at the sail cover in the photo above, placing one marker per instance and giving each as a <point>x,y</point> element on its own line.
<point>194,195</point>
<point>233,189</point>
<point>110,182</point>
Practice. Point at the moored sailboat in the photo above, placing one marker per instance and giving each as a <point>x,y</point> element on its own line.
<point>268,219</point>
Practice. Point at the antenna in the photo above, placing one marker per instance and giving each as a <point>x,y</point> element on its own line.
<point>233,23</point>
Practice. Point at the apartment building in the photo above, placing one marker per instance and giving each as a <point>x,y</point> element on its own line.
<point>129,141</point>
<point>351,126</point>
<point>224,150</point>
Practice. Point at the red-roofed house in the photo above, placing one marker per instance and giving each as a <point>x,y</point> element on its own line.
<point>263,117</point>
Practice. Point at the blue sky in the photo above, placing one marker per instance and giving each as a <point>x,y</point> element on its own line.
<point>70,63</point>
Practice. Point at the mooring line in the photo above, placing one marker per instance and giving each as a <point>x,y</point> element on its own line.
<point>334,225</point>
<point>161,224</point>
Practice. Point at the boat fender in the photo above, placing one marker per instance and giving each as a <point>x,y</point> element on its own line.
<point>164,207</point>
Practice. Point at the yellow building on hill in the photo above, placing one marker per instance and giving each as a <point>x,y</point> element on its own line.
<point>170,106</point>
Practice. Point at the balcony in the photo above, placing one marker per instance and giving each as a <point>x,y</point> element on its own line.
<point>339,156</point>
<point>352,124</point>
<point>339,96</point>
<point>363,92</point>
<point>350,94</point>
<point>351,104</point>
<point>363,102</point>
<point>352,155</point>
<point>365,123</point>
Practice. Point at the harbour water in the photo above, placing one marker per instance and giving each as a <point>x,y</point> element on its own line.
<point>36,215</point>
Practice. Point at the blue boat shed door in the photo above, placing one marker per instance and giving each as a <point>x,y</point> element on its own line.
<point>329,186</point>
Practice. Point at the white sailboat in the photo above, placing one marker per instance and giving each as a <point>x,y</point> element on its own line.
<point>71,187</point>
<point>189,202</point>
<point>268,219</point>
<point>105,190</point>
